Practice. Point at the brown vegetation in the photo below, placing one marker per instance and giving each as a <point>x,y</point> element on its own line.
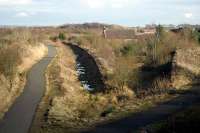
<point>19,49</point>
<point>68,107</point>
<point>137,74</point>
<point>141,65</point>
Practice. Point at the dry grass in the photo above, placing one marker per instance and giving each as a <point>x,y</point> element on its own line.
<point>120,59</point>
<point>120,56</point>
<point>71,108</point>
<point>159,50</point>
<point>19,51</point>
<point>68,104</point>
<point>35,53</point>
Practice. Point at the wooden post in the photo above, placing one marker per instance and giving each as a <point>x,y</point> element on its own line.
<point>104,32</point>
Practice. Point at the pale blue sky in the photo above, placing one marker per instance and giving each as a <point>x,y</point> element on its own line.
<point>124,12</point>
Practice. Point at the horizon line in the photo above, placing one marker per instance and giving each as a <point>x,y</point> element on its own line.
<point>81,23</point>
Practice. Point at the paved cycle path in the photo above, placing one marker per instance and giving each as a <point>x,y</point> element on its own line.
<point>19,117</point>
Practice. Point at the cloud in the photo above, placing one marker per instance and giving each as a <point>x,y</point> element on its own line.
<point>22,14</point>
<point>14,2</point>
<point>127,12</point>
<point>99,4</point>
<point>119,3</point>
<point>188,15</point>
<point>94,3</point>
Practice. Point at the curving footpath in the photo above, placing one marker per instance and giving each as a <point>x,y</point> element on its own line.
<point>19,117</point>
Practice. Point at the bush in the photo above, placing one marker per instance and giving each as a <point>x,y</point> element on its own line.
<point>196,36</point>
<point>132,49</point>
<point>127,50</point>
<point>54,38</point>
<point>123,73</point>
<point>61,36</point>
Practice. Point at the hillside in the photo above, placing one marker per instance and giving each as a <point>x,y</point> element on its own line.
<point>91,26</point>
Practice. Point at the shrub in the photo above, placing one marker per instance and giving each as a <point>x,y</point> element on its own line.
<point>61,36</point>
<point>54,38</point>
<point>132,49</point>
<point>122,75</point>
<point>161,85</point>
<point>196,36</point>
<point>127,50</point>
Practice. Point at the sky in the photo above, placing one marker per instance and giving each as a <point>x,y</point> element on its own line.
<point>122,12</point>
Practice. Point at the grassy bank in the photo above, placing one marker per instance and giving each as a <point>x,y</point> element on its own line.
<point>19,50</point>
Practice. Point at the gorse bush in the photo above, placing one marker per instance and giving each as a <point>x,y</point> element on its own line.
<point>127,50</point>
<point>61,36</point>
<point>133,49</point>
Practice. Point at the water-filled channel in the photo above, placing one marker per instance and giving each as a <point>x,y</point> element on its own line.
<point>87,69</point>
